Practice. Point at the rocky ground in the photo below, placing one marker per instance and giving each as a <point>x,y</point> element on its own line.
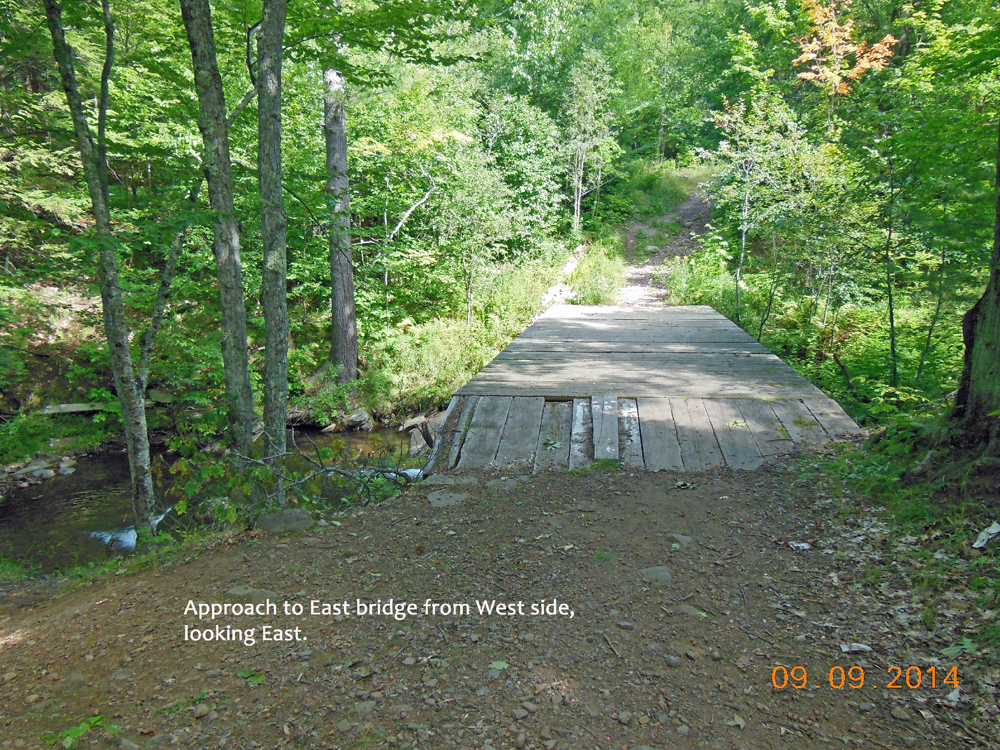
<point>689,594</point>
<point>649,243</point>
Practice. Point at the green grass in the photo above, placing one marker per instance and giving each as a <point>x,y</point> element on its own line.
<point>421,366</point>
<point>23,435</point>
<point>601,272</point>
<point>657,189</point>
<point>13,572</point>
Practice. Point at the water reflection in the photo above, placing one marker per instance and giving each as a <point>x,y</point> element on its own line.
<point>50,525</point>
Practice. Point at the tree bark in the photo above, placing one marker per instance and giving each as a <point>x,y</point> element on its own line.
<point>344,333</point>
<point>274,287</point>
<point>893,360</point>
<point>95,170</point>
<point>217,167</point>
<point>979,391</point>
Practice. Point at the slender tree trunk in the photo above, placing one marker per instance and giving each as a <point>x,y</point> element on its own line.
<point>934,318</point>
<point>579,162</point>
<point>344,333</point>
<point>773,291</point>
<point>979,392</point>
<point>217,167</point>
<point>597,195</point>
<point>95,169</point>
<point>893,366</point>
<point>274,285</point>
<point>744,229</point>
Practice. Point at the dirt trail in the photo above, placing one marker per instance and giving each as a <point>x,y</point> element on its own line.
<point>670,235</point>
<point>683,662</point>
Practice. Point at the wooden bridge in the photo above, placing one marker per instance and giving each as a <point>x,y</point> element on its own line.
<point>679,388</point>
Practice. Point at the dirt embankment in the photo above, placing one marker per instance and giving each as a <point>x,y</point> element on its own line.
<point>685,594</point>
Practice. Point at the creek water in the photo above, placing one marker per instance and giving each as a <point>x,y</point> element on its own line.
<point>48,526</point>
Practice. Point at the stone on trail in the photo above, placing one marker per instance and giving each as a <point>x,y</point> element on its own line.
<point>251,595</point>
<point>289,519</point>
<point>899,713</point>
<point>520,713</point>
<point>447,498</point>
<point>681,539</point>
<point>76,680</point>
<point>65,471</point>
<point>200,711</point>
<point>447,480</point>
<point>122,674</point>
<point>687,609</point>
<point>657,574</point>
<point>365,707</point>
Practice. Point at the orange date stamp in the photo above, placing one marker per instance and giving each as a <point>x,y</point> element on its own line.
<point>838,678</point>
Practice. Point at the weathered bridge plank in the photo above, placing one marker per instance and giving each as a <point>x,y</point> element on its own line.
<point>699,449</point>
<point>483,436</point>
<point>604,413</point>
<point>552,449</point>
<point>581,451</point>
<point>660,449</point>
<point>733,433</point>
<point>676,388</point>
<point>520,434</point>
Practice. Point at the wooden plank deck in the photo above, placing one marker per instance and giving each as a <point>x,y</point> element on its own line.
<point>678,388</point>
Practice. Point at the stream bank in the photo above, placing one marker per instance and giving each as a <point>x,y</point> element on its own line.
<point>47,526</point>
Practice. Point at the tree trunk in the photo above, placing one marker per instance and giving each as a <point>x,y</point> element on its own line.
<point>95,170</point>
<point>979,392</point>
<point>744,229</point>
<point>579,163</point>
<point>274,288</point>
<point>344,334</point>
<point>217,167</point>
<point>893,362</point>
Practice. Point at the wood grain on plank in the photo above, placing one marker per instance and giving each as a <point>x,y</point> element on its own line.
<point>733,433</point>
<point>520,434</point>
<point>798,421</point>
<point>582,441</point>
<point>699,449</point>
<point>552,449</point>
<point>483,437</point>
<point>660,450</point>
<point>629,438</point>
<point>770,435</point>
<point>833,418</point>
<point>445,433</point>
<point>461,428</point>
<point>604,411</point>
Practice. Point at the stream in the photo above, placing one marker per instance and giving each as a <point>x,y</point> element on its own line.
<point>49,526</point>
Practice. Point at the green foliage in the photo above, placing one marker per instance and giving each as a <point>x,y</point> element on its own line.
<point>656,189</point>
<point>67,738</point>
<point>22,435</point>
<point>416,367</point>
<point>252,676</point>
<point>600,273</point>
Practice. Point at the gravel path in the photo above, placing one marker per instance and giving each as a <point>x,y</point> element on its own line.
<point>686,591</point>
<point>641,289</point>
